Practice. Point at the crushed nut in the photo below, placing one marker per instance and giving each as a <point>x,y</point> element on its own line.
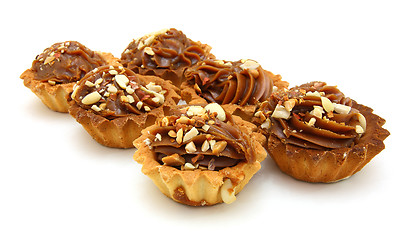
<point>173,160</point>
<point>190,147</point>
<point>190,134</point>
<point>227,192</point>
<point>266,124</point>
<point>157,137</point>
<point>122,80</point>
<point>290,104</point>
<point>205,146</point>
<point>196,111</point>
<point>91,98</point>
<point>317,111</point>
<point>359,129</point>
<point>311,122</point>
<point>249,64</point>
<point>189,166</point>
<point>327,104</point>
<point>219,147</point>
<point>280,112</point>
<point>172,134</point>
<point>340,108</point>
<point>362,121</point>
<point>180,134</point>
<point>216,108</point>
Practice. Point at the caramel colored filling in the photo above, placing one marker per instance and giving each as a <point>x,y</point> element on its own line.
<point>242,82</point>
<point>117,91</point>
<point>314,115</point>
<point>198,139</point>
<point>65,62</point>
<point>166,49</point>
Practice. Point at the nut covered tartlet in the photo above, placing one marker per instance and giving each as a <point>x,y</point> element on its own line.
<point>114,104</point>
<point>55,71</point>
<point>165,53</point>
<point>238,86</point>
<point>316,134</point>
<point>200,155</point>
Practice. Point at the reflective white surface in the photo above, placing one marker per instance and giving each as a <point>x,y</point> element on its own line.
<point>58,183</point>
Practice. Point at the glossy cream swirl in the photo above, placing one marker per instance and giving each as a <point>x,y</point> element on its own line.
<point>243,82</point>
<point>65,62</point>
<point>200,137</point>
<point>314,115</point>
<point>165,49</point>
<point>117,91</point>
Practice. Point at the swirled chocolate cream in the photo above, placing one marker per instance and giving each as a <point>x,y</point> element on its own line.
<point>58,68</point>
<point>202,137</point>
<point>313,115</point>
<point>242,82</point>
<point>316,134</point>
<point>117,91</point>
<point>165,53</point>
<point>200,155</point>
<point>114,104</point>
<point>65,62</point>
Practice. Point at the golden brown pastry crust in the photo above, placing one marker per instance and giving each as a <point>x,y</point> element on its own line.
<point>197,187</point>
<point>330,165</point>
<point>121,131</point>
<point>57,97</point>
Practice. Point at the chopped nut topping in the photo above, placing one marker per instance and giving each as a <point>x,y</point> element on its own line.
<point>112,89</point>
<point>189,166</point>
<point>91,98</point>
<point>157,137</point>
<point>180,134</point>
<point>280,112</point>
<point>173,160</point>
<point>216,108</point>
<point>249,64</point>
<point>311,122</point>
<point>205,127</point>
<point>190,147</point>
<point>149,51</point>
<point>227,192</point>
<point>196,111</point>
<point>290,104</point>
<point>327,104</point>
<point>122,80</point>
<point>359,129</point>
<point>205,146</point>
<point>266,124</point>
<point>317,111</point>
<point>139,105</point>
<point>219,147</point>
<point>172,134</point>
<point>362,121</point>
<point>190,134</point>
<point>340,108</point>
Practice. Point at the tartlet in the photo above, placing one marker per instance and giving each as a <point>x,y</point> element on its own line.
<point>114,104</point>
<point>200,155</point>
<point>238,86</point>
<point>55,71</point>
<point>166,53</point>
<point>316,134</point>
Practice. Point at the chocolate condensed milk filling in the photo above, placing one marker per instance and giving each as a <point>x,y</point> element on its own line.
<point>165,49</point>
<point>65,62</point>
<point>200,138</point>
<point>117,91</point>
<point>313,115</point>
<point>242,82</point>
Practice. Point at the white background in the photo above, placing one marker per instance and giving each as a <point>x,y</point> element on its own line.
<point>57,183</point>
